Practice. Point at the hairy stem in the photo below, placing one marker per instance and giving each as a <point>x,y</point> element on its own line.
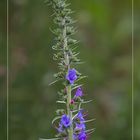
<point>68,88</point>
<point>70,136</point>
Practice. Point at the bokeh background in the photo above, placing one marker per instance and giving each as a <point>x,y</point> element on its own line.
<point>104,31</point>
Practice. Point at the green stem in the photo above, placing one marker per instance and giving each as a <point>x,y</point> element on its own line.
<point>68,88</point>
<point>70,131</point>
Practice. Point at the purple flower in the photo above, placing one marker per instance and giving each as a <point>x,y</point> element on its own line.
<point>82,136</point>
<point>80,126</point>
<point>60,129</point>
<point>80,116</point>
<point>71,76</point>
<point>79,92</point>
<point>65,121</point>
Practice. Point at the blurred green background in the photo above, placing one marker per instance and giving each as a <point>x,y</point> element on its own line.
<point>104,31</point>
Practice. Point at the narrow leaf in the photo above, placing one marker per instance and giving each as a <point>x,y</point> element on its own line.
<point>53,82</point>
<point>80,78</point>
<point>55,119</point>
<point>61,102</point>
<point>90,131</point>
<point>75,87</point>
<point>89,120</point>
<point>85,102</point>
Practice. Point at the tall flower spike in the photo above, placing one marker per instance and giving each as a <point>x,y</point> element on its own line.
<point>69,118</point>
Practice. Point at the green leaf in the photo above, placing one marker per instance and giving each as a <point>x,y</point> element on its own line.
<point>74,48</point>
<point>75,87</point>
<point>61,102</point>
<point>59,75</point>
<point>90,131</point>
<point>75,54</point>
<point>91,120</point>
<point>72,41</point>
<point>56,31</point>
<point>55,81</point>
<point>75,115</point>
<point>85,102</point>
<point>60,111</point>
<point>75,111</point>
<point>55,119</point>
<point>78,63</point>
<point>80,78</point>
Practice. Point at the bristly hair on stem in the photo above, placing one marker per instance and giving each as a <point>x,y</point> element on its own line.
<point>70,120</point>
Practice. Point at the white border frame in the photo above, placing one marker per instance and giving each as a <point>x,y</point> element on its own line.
<point>7,131</point>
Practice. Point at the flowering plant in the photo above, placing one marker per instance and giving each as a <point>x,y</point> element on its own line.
<point>70,121</point>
